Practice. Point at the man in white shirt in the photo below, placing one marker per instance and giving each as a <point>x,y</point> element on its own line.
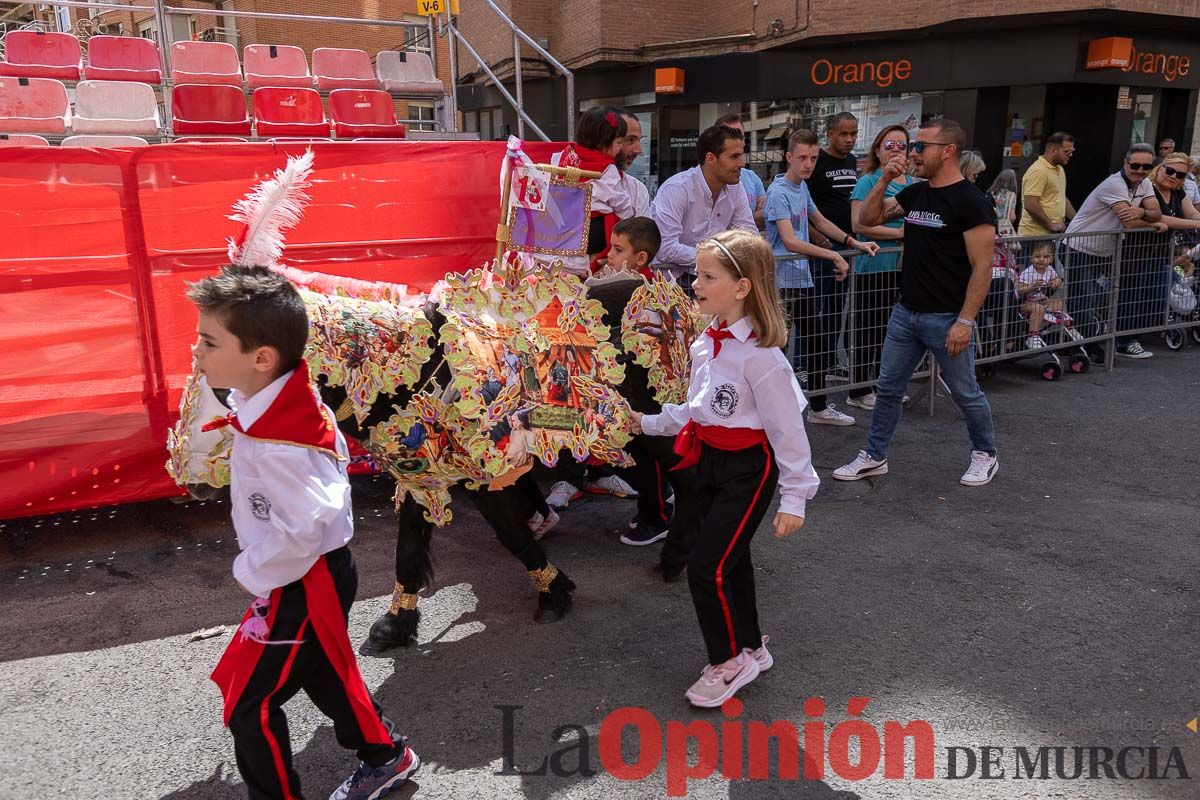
<point>693,205</point>
<point>631,150</point>
<point>1124,199</point>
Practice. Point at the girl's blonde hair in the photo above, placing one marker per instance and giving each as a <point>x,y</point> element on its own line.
<point>1175,159</point>
<point>750,257</point>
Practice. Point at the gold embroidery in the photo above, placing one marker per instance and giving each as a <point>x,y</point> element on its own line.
<point>344,410</point>
<point>542,578</point>
<point>402,600</point>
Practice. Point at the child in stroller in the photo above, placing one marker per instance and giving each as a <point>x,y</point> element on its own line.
<point>1184,308</point>
<point>1036,288</point>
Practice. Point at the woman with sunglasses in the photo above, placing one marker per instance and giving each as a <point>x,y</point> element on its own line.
<point>875,280</point>
<point>1179,213</point>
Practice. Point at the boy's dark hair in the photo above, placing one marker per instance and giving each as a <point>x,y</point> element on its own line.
<point>1044,244</point>
<point>802,136</point>
<point>259,307</point>
<point>599,127</point>
<point>712,140</point>
<point>642,233</point>
<point>729,119</point>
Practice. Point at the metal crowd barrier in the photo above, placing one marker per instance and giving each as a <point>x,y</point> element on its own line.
<point>1104,288</point>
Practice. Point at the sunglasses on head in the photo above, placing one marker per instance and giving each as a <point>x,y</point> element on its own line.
<point>1171,172</point>
<point>1140,166</point>
<point>919,147</point>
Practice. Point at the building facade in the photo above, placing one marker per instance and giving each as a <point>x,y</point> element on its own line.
<point>1011,73</point>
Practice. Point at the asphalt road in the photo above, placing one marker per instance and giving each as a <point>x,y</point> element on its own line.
<point>1054,608</point>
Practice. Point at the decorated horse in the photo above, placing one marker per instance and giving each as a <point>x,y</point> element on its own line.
<point>507,364</point>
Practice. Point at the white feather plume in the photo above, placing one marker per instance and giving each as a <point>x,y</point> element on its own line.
<point>268,211</point>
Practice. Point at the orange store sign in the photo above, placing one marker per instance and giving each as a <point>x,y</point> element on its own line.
<point>1120,52</point>
<point>882,73</point>
<point>668,80</point>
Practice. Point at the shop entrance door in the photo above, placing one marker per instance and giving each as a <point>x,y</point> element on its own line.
<point>678,130</point>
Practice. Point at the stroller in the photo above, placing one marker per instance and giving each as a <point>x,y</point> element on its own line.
<point>1003,324</point>
<point>1183,309</point>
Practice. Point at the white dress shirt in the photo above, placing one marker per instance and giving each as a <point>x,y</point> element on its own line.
<point>291,504</point>
<point>639,195</point>
<point>686,215</point>
<point>748,386</point>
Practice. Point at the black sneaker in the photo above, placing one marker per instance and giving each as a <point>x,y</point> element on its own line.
<point>644,534</point>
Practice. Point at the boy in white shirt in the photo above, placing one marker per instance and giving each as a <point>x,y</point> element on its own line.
<point>290,497</point>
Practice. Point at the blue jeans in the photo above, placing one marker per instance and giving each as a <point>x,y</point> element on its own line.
<point>909,335</point>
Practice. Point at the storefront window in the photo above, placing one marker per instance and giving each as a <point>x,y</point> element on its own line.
<point>768,124</point>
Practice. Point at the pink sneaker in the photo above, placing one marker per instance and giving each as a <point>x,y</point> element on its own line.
<point>763,656</point>
<point>720,682</point>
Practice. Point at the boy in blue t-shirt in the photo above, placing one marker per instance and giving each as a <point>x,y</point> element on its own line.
<point>789,213</point>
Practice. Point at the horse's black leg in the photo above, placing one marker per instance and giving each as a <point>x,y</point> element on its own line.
<point>507,512</point>
<point>414,572</point>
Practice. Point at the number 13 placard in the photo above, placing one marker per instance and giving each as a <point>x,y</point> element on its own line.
<point>529,188</point>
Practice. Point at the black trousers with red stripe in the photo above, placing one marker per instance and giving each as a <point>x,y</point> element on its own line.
<point>733,490</point>
<point>655,478</point>
<point>258,724</point>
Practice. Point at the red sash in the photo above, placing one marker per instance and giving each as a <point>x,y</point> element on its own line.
<point>325,619</point>
<point>691,440</point>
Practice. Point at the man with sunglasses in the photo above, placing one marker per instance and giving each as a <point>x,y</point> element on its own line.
<point>949,230</point>
<point>1124,199</point>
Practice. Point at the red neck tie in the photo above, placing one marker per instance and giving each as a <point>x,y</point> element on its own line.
<point>718,335</point>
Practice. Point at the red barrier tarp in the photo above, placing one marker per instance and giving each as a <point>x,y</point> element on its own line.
<point>96,250</point>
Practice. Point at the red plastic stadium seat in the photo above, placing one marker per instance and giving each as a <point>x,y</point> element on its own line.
<point>288,111</point>
<point>22,140</point>
<point>334,68</point>
<point>34,54</point>
<point>209,110</point>
<point>205,62</point>
<point>364,113</point>
<point>123,58</point>
<point>275,65</point>
<point>33,105</point>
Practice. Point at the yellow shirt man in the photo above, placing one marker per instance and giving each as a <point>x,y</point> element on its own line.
<point>1047,182</point>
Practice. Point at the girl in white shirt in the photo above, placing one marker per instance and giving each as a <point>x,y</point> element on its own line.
<point>743,429</point>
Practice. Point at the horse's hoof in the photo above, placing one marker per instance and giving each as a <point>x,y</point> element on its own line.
<point>556,601</point>
<point>391,630</point>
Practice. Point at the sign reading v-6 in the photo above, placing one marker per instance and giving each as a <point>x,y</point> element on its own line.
<point>430,7</point>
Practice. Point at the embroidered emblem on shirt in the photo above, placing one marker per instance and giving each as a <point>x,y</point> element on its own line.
<point>724,401</point>
<point>260,506</point>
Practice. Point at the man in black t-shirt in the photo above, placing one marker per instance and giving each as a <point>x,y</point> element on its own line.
<point>949,230</point>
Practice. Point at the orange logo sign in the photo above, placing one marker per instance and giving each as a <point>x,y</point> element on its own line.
<point>668,80</point>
